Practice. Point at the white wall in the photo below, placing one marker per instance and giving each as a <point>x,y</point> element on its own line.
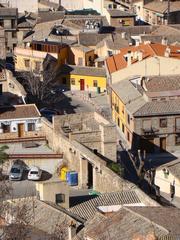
<point>72,4</point>
<point>14,124</point>
<point>97,5</point>
<point>164,182</point>
<point>24,5</point>
<point>150,66</point>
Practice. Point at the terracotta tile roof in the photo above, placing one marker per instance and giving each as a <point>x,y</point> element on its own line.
<point>19,111</point>
<point>118,62</point>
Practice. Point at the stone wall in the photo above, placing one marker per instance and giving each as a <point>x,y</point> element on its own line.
<point>77,157</point>
<point>92,130</point>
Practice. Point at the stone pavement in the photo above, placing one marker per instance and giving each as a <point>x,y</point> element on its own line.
<point>100,101</point>
<point>175,202</point>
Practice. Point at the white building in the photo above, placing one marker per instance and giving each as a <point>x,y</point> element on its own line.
<point>22,5</point>
<point>20,121</point>
<point>169,174</point>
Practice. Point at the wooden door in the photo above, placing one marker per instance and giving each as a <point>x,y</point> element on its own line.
<point>1,88</point>
<point>163,144</point>
<point>81,84</point>
<point>20,129</point>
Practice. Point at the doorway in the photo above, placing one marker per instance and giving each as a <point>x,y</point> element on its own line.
<point>90,175</point>
<point>81,84</point>
<point>20,129</point>
<point>162,144</point>
<point>1,88</point>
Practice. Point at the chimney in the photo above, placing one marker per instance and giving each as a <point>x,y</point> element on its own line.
<point>129,58</point>
<point>71,230</point>
<point>135,55</point>
<point>140,56</point>
<point>164,41</point>
<point>123,35</point>
<point>167,52</point>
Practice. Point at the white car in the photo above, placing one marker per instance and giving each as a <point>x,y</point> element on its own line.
<point>34,173</point>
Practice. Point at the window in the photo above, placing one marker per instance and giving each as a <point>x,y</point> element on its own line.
<point>177,124</point>
<point>80,61</point>
<point>13,23</point>
<point>110,53</point>
<point>163,122</point>
<point>128,118</point>
<point>6,128</point>
<point>177,139</point>
<point>14,34</point>
<point>122,127</point>
<point>123,109</point>
<point>27,63</point>
<point>64,80</point>
<point>95,83</point>
<point>73,82</point>
<point>128,136</point>
<point>60,198</point>
<point>37,66</point>
<point>1,22</point>
<point>118,122</point>
<point>31,127</point>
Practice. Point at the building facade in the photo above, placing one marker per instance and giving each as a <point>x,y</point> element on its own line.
<point>83,78</point>
<point>148,119</point>
<point>32,57</point>
<point>8,20</point>
<point>20,121</point>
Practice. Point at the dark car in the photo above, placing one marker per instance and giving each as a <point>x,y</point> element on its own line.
<point>48,113</point>
<point>10,67</point>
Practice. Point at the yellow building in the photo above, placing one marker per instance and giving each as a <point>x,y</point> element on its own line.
<point>83,78</point>
<point>125,101</point>
<point>81,55</point>
<point>32,58</point>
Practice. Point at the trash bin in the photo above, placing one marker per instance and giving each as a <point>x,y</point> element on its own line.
<point>98,90</point>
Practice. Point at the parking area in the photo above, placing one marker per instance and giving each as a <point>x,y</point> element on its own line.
<point>38,154</point>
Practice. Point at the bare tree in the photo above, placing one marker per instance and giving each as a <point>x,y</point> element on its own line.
<point>39,82</point>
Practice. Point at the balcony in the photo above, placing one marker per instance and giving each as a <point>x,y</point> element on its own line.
<point>28,52</point>
<point>150,131</point>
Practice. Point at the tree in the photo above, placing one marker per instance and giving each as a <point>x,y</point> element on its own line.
<point>4,186</point>
<point>38,84</point>
<point>3,154</point>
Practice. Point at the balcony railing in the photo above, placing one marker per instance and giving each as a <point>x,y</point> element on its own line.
<point>150,131</point>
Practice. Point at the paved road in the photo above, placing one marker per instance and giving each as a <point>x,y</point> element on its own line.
<point>20,189</point>
<point>72,104</point>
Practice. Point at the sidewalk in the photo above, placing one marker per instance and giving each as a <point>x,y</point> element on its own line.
<point>175,201</point>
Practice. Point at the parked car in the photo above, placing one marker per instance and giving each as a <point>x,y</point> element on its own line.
<point>48,113</point>
<point>59,89</point>
<point>10,67</point>
<point>34,173</point>
<point>16,172</point>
